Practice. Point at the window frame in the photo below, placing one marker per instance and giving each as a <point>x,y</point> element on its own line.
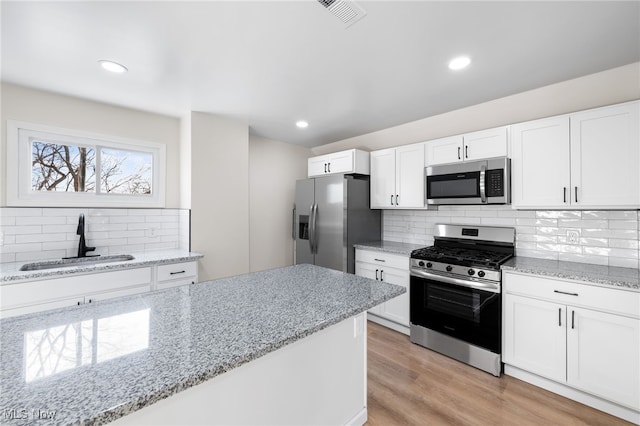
<point>19,168</point>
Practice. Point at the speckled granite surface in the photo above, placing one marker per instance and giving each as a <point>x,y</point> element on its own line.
<point>11,271</point>
<point>626,278</point>
<point>94,363</point>
<point>389,247</point>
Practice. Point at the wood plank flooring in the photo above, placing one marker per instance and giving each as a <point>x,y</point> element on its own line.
<point>411,385</point>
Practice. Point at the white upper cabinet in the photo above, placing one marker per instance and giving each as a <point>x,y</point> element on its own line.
<point>472,146</point>
<point>443,151</point>
<point>486,144</point>
<point>350,161</point>
<point>540,174</point>
<point>605,156</point>
<point>583,160</point>
<point>397,177</point>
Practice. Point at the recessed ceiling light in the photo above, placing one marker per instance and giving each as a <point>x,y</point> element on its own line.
<point>302,124</point>
<point>459,63</point>
<point>112,66</point>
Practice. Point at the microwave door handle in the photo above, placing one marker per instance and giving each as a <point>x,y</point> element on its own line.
<point>483,192</point>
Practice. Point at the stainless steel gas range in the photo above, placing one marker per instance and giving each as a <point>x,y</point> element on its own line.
<point>456,295</point>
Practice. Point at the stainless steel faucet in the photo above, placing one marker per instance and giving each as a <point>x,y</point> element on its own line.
<point>82,245</point>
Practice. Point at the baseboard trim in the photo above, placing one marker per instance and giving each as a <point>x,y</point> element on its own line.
<point>359,419</point>
<point>574,394</point>
<point>389,324</point>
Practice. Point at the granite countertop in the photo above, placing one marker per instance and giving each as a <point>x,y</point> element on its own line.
<point>392,247</point>
<point>10,272</point>
<point>610,276</point>
<point>94,363</point>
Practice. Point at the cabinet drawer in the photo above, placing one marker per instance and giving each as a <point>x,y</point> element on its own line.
<point>574,293</point>
<point>177,271</point>
<point>383,259</point>
<point>29,293</point>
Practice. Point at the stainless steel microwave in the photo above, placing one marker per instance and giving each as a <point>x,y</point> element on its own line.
<point>470,182</point>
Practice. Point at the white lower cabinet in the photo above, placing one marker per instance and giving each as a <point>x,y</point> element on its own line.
<point>584,337</point>
<point>176,274</point>
<point>35,296</point>
<point>27,297</point>
<point>394,269</point>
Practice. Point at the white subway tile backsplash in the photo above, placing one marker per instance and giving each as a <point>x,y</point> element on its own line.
<point>44,233</point>
<point>605,237</point>
<point>35,238</point>
<point>583,258</point>
<point>623,224</point>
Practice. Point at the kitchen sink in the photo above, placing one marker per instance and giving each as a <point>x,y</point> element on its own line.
<point>65,263</point>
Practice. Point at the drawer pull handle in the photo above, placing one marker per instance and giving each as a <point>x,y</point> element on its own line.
<point>379,260</point>
<point>564,292</point>
<point>182,272</point>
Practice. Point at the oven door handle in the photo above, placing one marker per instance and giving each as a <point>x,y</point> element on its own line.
<point>491,287</point>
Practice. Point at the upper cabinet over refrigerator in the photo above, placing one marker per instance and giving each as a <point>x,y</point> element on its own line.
<point>588,159</point>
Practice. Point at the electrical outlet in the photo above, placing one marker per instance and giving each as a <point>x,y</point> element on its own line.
<point>152,232</point>
<point>573,237</point>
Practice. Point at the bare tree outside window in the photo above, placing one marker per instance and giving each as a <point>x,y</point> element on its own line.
<point>125,172</point>
<point>65,168</point>
<point>68,168</point>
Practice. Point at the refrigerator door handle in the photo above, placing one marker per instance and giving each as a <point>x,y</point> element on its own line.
<point>313,218</point>
<point>293,223</point>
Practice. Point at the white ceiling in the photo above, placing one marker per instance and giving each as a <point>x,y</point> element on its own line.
<point>270,63</point>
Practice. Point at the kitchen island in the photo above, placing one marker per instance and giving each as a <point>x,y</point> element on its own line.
<point>285,346</point>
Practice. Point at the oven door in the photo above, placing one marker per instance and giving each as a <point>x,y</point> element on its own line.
<point>466,313</point>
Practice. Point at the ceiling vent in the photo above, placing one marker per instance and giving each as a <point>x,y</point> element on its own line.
<point>346,11</point>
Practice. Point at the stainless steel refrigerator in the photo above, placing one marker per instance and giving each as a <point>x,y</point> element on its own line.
<point>332,214</point>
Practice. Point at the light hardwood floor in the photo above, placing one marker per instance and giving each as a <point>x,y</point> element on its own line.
<point>411,385</point>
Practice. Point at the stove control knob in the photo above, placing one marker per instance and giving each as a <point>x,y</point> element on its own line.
<point>471,272</point>
<point>421,263</point>
<point>429,264</point>
<point>481,274</point>
<point>449,268</point>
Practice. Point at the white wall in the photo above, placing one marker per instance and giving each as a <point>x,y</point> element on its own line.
<point>219,195</point>
<point>604,88</point>
<point>274,168</point>
<point>36,106</point>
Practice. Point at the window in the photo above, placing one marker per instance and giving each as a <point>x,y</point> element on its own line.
<point>62,167</point>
